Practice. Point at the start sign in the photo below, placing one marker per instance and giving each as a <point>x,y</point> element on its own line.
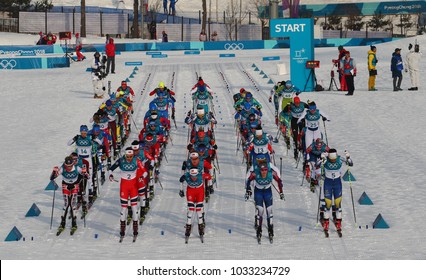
<point>296,27</point>
<point>301,34</point>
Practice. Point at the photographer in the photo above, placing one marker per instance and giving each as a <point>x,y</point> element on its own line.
<point>98,75</point>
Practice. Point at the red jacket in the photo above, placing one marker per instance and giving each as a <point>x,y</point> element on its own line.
<point>110,48</point>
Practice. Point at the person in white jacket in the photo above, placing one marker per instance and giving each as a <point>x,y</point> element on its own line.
<point>413,65</point>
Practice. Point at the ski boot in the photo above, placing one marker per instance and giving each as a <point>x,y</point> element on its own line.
<point>95,193</point>
<point>287,142</point>
<point>122,228</point>
<point>259,234</point>
<point>188,230</point>
<point>73,225</point>
<point>211,190</point>
<point>271,232</point>
<point>84,208</point>
<point>207,195</point>
<point>312,186</point>
<point>62,225</point>
<point>325,224</point>
<point>338,224</point>
<point>201,229</point>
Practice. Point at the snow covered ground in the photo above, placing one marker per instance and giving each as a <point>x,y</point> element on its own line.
<point>42,109</point>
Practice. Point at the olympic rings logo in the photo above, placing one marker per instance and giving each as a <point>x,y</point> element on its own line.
<point>8,64</point>
<point>234,46</point>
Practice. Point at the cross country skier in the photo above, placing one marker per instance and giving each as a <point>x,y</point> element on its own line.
<point>194,178</point>
<point>297,108</point>
<point>132,171</point>
<point>98,75</point>
<point>201,85</point>
<point>129,94</point>
<point>71,176</point>
<point>261,179</point>
<point>333,171</point>
<point>313,157</point>
<point>312,117</point>
<point>164,90</point>
<point>84,148</point>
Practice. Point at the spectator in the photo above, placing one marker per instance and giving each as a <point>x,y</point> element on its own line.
<point>372,71</point>
<point>153,30</point>
<point>110,52</point>
<point>348,69</point>
<point>342,80</point>
<point>165,38</point>
<point>79,47</point>
<point>172,8</point>
<point>41,40</point>
<point>203,36</point>
<point>50,39</point>
<point>165,7</point>
<point>413,61</point>
<point>214,36</point>
<point>396,68</point>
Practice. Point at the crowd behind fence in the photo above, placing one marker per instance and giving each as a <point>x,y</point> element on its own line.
<point>177,28</point>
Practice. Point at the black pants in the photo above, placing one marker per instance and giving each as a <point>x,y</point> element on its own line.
<point>350,83</point>
<point>397,82</point>
<point>110,62</point>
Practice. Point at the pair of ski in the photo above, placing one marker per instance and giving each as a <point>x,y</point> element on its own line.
<point>61,229</point>
<point>200,234</point>
<point>122,237</point>
<point>339,232</point>
<point>259,237</point>
<point>201,239</point>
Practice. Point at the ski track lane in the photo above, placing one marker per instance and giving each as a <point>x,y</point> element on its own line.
<point>299,220</point>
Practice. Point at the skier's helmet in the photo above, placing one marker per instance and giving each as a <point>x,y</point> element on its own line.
<point>288,84</point>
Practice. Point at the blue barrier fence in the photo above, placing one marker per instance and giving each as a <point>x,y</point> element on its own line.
<point>19,57</point>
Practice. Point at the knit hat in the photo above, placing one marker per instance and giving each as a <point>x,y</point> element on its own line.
<point>372,47</point>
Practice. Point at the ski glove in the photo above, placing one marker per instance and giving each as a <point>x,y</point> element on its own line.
<point>189,147</point>
<point>281,196</point>
<point>182,179</point>
<point>248,193</point>
<point>111,178</point>
<point>215,146</point>
<point>347,154</point>
<point>181,193</point>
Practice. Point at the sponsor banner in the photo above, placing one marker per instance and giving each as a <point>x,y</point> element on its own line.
<point>19,63</point>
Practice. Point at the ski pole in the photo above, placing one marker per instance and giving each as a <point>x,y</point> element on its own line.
<point>325,131</point>
<point>321,187</point>
<point>217,161</point>
<point>159,182</point>
<point>277,190</point>
<point>53,202</point>
<point>281,167</point>
<point>131,117</point>
<point>352,194</point>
